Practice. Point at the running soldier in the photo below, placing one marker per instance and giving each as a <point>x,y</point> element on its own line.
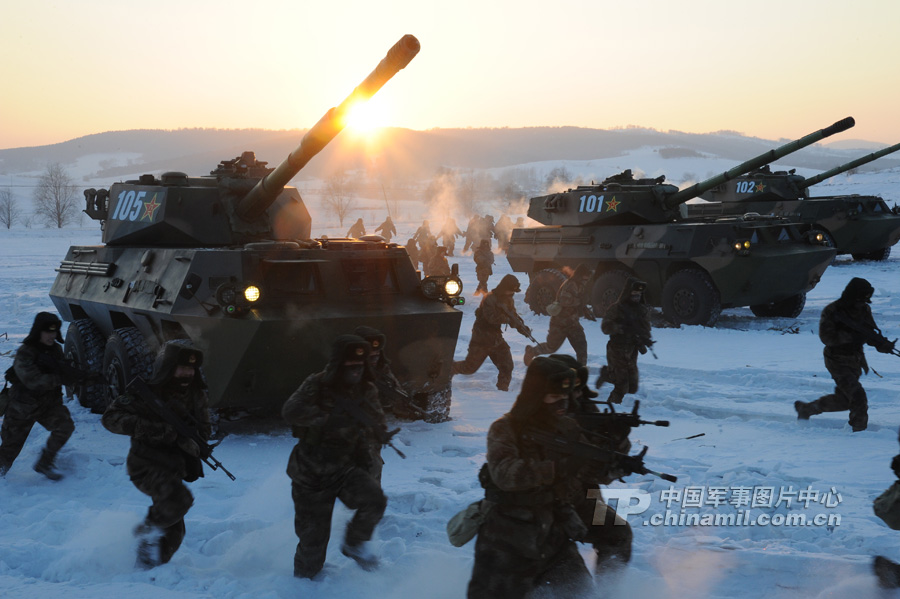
<point>484,265</point>
<point>438,264</point>
<point>338,421</point>
<point>449,232</point>
<point>844,327</point>
<point>627,322</point>
<point>565,318</point>
<point>387,228</point>
<point>527,540</point>
<point>497,308</point>
<point>38,373</point>
<point>161,460</point>
<point>357,230</point>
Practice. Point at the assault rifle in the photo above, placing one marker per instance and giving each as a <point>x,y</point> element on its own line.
<point>355,412</point>
<point>872,336</point>
<point>631,464</point>
<point>518,324</point>
<point>152,400</point>
<point>612,420</point>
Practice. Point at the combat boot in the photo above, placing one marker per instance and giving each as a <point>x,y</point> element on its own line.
<point>804,410</point>
<point>149,551</point>
<point>362,555</point>
<point>887,571</point>
<point>45,465</point>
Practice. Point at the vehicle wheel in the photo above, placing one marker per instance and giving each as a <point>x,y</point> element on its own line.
<point>786,308</point>
<point>84,349</point>
<point>690,297</point>
<point>878,255</point>
<point>125,357</point>
<point>607,289</point>
<point>542,290</point>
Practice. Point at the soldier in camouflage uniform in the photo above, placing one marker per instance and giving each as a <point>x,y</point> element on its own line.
<point>842,328</point>
<point>886,570</point>
<point>413,252</point>
<point>527,540</point>
<point>627,322</point>
<point>484,262</point>
<point>337,419</point>
<point>497,308</point>
<point>161,460</point>
<point>387,228</point>
<point>438,264</point>
<point>565,323</point>
<point>612,538</point>
<point>36,396</point>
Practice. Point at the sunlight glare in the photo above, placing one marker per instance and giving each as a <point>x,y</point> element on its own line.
<point>366,117</point>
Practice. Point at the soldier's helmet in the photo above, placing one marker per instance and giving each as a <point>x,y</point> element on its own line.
<point>375,337</point>
<point>173,353</point>
<point>44,321</point>
<point>486,244</point>
<point>544,375</point>
<point>346,348</point>
<point>581,373</point>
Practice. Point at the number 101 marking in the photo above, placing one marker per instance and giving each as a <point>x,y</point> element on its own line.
<point>590,204</point>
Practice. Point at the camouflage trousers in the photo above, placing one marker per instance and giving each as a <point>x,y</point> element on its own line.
<point>502,572</point>
<point>848,391</point>
<point>500,356</point>
<point>556,335</point>
<point>171,502</point>
<point>313,508</point>
<point>482,281</point>
<point>611,538</point>
<point>622,370</point>
<point>20,419</point>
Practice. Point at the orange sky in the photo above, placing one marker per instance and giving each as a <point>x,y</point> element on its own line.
<point>773,69</point>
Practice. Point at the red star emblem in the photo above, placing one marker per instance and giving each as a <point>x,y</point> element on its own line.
<point>150,208</point>
<point>612,205</point>
<point>759,188</point>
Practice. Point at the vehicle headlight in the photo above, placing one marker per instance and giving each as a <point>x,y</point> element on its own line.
<point>452,287</point>
<point>251,293</point>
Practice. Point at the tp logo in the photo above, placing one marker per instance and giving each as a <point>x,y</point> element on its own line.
<point>628,502</point>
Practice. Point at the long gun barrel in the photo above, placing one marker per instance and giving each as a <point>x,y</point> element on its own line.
<point>333,122</point>
<point>850,165</point>
<point>754,163</point>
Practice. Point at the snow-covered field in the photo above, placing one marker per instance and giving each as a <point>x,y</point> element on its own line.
<point>734,385</point>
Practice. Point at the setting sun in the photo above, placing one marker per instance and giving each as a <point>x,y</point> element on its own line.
<point>365,117</point>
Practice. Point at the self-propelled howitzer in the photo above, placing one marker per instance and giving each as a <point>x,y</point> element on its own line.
<point>626,227</point>
<point>227,261</point>
<point>863,226</point>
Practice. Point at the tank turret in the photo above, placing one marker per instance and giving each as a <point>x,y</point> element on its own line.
<point>242,200</point>
<point>624,200</point>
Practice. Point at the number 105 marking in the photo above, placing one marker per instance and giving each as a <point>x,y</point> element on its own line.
<point>590,204</point>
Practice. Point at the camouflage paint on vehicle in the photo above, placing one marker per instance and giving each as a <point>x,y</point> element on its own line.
<point>693,267</point>
<point>863,226</point>
<point>227,261</point>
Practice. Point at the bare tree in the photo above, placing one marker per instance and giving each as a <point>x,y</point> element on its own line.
<point>340,196</point>
<point>55,199</point>
<point>9,208</point>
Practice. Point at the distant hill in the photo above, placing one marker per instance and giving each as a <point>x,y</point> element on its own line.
<point>405,154</point>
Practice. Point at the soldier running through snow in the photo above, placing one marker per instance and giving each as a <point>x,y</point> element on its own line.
<point>160,459</point>
<point>845,326</point>
<point>484,265</point>
<point>39,371</point>
<point>565,318</point>
<point>527,540</point>
<point>438,264</point>
<point>497,308</point>
<point>357,230</point>
<point>627,322</point>
<point>449,232</point>
<point>387,228</point>
<point>337,419</point>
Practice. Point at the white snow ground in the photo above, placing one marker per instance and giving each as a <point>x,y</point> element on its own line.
<point>734,384</point>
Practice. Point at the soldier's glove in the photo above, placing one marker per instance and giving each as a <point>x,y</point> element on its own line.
<point>885,346</point>
<point>895,465</point>
<point>161,432</point>
<point>642,349</point>
<point>189,446</point>
<point>570,523</point>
